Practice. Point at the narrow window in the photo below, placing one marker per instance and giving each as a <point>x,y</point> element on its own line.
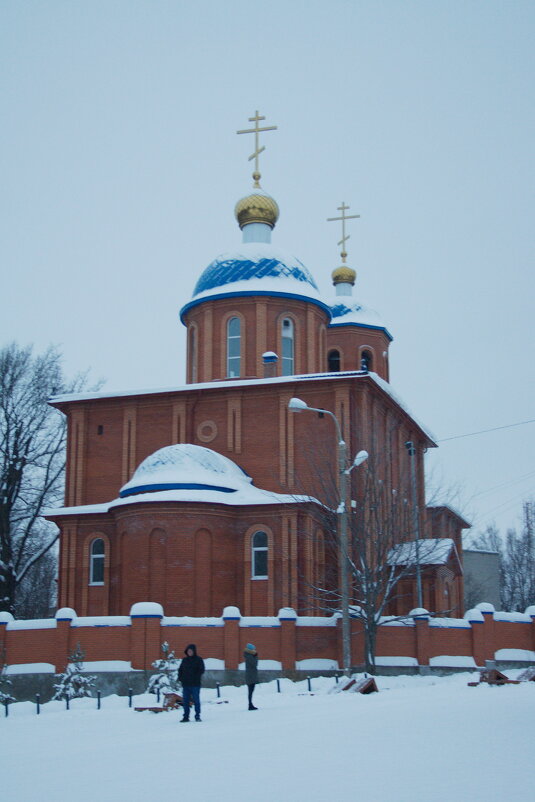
<point>96,568</point>
<point>233,348</point>
<point>366,362</point>
<point>193,353</point>
<point>259,555</point>
<point>287,347</point>
<point>333,361</point>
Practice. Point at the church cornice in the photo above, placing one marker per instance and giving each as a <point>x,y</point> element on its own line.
<point>361,326</point>
<point>251,294</point>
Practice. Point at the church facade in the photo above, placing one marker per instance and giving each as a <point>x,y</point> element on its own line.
<point>214,493</point>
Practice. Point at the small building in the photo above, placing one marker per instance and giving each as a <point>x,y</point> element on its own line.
<point>481,577</point>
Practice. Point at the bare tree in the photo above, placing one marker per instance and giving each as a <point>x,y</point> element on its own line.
<point>37,592</point>
<point>517,560</point>
<point>382,555</point>
<point>32,460</point>
<point>474,590</point>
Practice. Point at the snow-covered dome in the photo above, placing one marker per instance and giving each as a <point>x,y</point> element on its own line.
<point>186,467</point>
<point>255,269</point>
<point>346,311</point>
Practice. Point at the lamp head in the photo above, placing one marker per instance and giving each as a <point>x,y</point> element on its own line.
<point>296,405</point>
<point>361,457</point>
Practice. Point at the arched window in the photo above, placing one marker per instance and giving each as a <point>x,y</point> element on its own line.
<point>96,566</point>
<point>333,361</point>
<point>259,548</point>
<point>287,336</point>
<point>366,361</point>
<point>233,347</point>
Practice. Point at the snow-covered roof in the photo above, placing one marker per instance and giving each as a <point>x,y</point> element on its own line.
<point>243,383</point>
<point>450,510</point>
<point>186,467</point>
<point>387,387</point>
<point>255,269</point>
<point>246,496</point>
<point>346,311</point>
<point>431,551</point>
<point>187,473</point>
<point>253,260</point>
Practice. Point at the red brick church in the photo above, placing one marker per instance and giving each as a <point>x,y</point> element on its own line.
<point>212,493</point>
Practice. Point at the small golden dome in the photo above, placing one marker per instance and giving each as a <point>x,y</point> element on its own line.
<point>257,208</point>
<point>344,275</point>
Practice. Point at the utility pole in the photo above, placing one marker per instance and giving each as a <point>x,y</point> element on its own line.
<point>342,513</point>
<point>411,450</point>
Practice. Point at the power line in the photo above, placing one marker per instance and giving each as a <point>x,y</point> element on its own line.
<point>484,431</point>
<point>510,483</point>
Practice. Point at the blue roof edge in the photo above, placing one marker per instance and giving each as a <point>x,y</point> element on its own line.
<point>249,294</point>
<point>362,326</point>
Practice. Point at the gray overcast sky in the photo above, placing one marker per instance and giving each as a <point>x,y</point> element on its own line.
<point>121,168</point>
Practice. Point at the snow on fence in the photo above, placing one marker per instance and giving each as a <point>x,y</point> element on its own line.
<point>286,642</point>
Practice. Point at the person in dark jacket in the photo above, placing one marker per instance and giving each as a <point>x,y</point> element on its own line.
<point>251,671</point>
<point>190,672</point>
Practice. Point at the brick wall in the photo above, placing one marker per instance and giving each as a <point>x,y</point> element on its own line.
<point>286,638</point>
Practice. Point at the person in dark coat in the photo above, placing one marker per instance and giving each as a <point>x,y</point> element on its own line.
<point>190,672</point>
<point>251,671</point>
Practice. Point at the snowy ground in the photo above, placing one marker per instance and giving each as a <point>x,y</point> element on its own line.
<point>420,739</point>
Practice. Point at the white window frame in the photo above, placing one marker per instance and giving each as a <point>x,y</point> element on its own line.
<point>94,558</point>
<point>231,373</point>
<point>257,549</point>
<point>288,362</point>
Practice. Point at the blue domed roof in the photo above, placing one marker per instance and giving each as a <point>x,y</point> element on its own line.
<point>186,467</point>
<point>346,311</point>
<point>252,263</point>
<point>255,269</point>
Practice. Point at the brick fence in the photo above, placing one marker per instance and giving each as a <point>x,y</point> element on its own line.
<point>286,642</point>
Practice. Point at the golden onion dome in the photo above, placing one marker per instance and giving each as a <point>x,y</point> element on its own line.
<point>257,208</point>
<point>344,275</point>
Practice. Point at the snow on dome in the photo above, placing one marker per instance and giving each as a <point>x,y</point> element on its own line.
<point>231,612</point>
<point>474,615</point>
<point>287,613</point>
<point>255,269</point>
<point>346,311</point>
<point>253,260</point>
<point>419,612</point>
<point>145,609</point>
<point>66,614</point>
<point>186,467</point>
<point>485,607</point>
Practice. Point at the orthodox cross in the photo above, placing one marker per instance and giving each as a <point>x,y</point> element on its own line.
<point>343,208</point>
<point>258,150</point>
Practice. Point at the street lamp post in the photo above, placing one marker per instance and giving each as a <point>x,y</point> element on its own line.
<point>297,405</point>
<point>409,445</point>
